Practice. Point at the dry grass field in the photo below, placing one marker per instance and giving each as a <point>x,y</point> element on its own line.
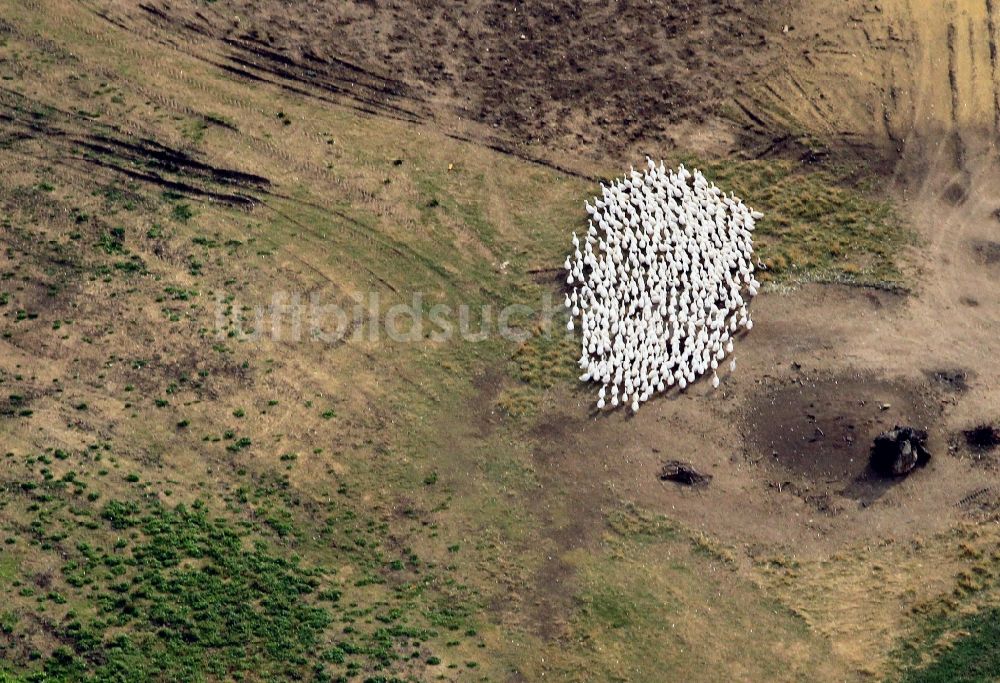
<point>190,491</point>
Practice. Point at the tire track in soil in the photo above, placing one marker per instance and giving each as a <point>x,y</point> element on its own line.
<point>952,192</point>
<point>380,243</point>
<point>952,76</point>
<point>992,29</point>
<point>198,193</point>
<point>249,58</point>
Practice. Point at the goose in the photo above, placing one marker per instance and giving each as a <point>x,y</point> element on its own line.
<point>659,288</point>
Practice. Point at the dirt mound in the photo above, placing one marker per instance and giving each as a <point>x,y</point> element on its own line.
<point>899,451</point>
<point>683,473</point>
<point>950,379</point>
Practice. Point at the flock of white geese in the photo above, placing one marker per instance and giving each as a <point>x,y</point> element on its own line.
<point>660,284</point>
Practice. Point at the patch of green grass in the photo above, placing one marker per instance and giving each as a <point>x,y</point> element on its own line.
<point>240,444</point>
<point>9,564</point>
<point>635,524</point>
<point>113,241</point>
<point>156,588</point>
<point>196,600</point>
<point>194,130</point>
<point>610,608</point>
<point>820,224</point>
<point>962,650</point>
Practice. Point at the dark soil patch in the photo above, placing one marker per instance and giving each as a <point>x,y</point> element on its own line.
<point>553,429</point>
<point>816,432</point>
<point>549,276</point>
<point>683,473</point>
<point>986,252</point>
<point>950,379</point>
<point>142,159</point>
<point>982,438</point>
<point>574,519</point>
<point>153,154</point>
<point>955,194</point>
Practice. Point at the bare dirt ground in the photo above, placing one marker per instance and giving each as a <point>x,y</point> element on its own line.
<point>553,80</point>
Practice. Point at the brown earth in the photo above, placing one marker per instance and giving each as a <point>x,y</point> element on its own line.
<point>552,80</point>
<point>815,432</point>
<point>910,85</point>
<point>918,82</point>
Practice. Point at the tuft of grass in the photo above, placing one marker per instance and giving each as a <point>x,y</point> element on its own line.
<point>547,357</point>
<point>182,212</point>
<point>240,444</point>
